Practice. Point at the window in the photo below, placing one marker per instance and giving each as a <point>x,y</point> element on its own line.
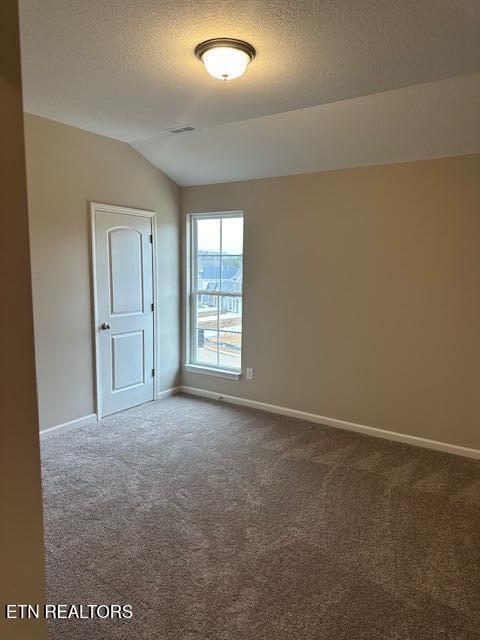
<point>215,299</point>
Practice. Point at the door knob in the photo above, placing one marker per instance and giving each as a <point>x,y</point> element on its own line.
<point>104,326</point>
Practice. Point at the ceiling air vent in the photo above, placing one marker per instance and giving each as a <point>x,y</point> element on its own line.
<point>186,129</point>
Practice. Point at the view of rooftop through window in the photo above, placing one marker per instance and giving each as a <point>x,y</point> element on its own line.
<point>216,304</point>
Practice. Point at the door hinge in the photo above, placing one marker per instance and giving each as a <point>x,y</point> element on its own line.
<point>153,306</point>
<point>151,239</point>
<point>153,372</point>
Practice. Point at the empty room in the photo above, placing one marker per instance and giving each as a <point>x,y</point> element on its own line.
<point>240,389</point>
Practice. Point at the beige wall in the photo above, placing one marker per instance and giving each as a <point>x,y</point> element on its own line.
<point>67,168</point>
<point>21,568</point>
<point>361,285</point>
<point>362,294</point>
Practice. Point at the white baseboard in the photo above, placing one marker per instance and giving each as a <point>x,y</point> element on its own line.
<point>71,424</point>
<point>338,424</point>
<point>78,422</point>
<point>168,392</point>
<point>295,413</point>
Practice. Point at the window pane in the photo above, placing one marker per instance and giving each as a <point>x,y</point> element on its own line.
<point>232,236</point>
<point>208,273</point>
<point>230,313</point>
<point>230,349</point>
<point>231,272</point>
<point>216,319</point>
<point>207,347</point>
<point>206,311</point>
<point>206,329</point>
<point>208,235</point>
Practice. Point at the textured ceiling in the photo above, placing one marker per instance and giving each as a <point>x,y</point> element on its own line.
<point>126,69</point>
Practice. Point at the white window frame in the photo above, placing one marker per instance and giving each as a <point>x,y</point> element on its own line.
<point>192,292</point>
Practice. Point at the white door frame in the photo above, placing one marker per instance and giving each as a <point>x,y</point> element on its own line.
<point>107,208</point>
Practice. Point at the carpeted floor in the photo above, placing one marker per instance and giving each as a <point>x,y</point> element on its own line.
<point>220,522</point>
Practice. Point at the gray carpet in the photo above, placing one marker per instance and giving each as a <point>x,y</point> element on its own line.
<point>221,522</point>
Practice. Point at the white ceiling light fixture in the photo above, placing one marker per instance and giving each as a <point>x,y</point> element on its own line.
<point>225,58</point>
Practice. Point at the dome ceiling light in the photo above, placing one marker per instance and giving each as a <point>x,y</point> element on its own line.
<point>225,58</point>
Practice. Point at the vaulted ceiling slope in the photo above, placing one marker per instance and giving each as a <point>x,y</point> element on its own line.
<point>127,70</point>
<point>430,120</point>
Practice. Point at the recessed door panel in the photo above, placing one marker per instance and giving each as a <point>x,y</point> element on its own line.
<point>126,273</point>
<point>128,358</point>
<point>124,310</point>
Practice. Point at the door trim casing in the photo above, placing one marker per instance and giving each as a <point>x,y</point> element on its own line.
<point>129,211</point>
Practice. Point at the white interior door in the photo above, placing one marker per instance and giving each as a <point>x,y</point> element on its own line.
<point>123,255</point>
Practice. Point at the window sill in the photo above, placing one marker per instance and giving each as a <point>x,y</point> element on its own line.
<point>212,371</point>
